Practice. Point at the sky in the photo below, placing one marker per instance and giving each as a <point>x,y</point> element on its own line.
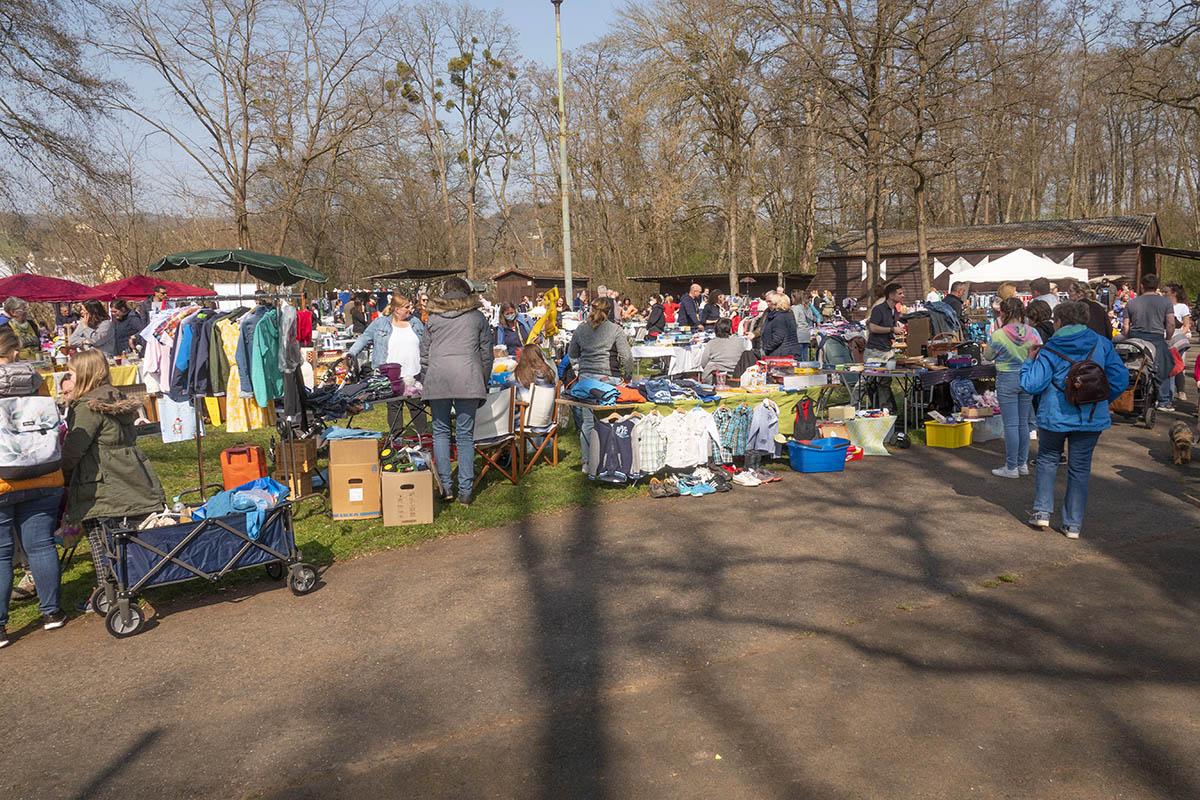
<point>583,21</point>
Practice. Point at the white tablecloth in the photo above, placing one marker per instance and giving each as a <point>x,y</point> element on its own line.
<point>680,358</point>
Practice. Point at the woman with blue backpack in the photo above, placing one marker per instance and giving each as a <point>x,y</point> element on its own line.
<point>1076,373</point>
<point>31,492</point>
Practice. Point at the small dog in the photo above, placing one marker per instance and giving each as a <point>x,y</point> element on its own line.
<point>1181,443</point>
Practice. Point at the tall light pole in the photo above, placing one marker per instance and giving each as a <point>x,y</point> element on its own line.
<point>564,173</point>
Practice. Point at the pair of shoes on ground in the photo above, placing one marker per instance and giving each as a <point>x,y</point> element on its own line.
<point>1004,472</point>
<point>667,487</point>
<point>50,622</point>
<point>1041,520</point>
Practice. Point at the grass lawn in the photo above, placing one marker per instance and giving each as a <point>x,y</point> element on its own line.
<point>323,540</point>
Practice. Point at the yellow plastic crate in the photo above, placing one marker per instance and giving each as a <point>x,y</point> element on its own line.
<point>938,434</point>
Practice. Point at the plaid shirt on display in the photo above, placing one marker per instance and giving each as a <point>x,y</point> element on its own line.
<point>651,445</point>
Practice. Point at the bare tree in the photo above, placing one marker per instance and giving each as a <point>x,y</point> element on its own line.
<point>211,57</point>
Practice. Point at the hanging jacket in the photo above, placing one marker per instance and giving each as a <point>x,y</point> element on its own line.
<point>265,376</point>
<point>1043,377</point>
<point>289,346</point>
<point>218,362</point>
<point>764,426</point>
<point>245,348</point>
<point>107,473</point>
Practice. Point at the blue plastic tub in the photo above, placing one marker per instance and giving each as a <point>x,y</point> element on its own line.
<point>819,455</point>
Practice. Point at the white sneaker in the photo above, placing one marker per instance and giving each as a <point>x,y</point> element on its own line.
<point>746,479</point>
<point>1023,469</point>
<point>1005,472</point>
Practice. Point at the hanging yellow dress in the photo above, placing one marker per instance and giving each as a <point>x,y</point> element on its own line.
<point>241,414</point>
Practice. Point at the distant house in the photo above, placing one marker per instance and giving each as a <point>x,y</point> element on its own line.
<point>1127,246</point>
<point>513,284</point>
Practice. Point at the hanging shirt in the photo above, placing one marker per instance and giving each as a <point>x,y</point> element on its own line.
<point>649,445</point>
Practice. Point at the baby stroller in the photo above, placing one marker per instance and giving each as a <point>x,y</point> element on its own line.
<point>1138,401</point>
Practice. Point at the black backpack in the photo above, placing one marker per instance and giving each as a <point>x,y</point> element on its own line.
<point>1086,383</point>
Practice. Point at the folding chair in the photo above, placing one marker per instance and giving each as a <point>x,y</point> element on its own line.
<point>495,436</point>
<point>539,426</point>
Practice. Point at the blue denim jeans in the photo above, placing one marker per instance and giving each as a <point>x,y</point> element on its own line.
<point>1079,469</point>
<point>1016,410</point>
<point>31,514</point>
<point>464,417</point>
<point>585,421</point>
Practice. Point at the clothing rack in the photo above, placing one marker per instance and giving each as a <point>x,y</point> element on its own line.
<point>256,296</point>
<point>197,401</point>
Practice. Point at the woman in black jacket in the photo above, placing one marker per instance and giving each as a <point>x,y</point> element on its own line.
<point>779,332</point>
<point>656,318</point>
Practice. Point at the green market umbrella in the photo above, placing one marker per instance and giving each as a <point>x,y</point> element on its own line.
<point>276,270</point>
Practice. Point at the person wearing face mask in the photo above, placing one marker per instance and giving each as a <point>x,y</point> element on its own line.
<point>512,330</point>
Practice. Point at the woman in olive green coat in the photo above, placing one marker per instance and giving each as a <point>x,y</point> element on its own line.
<point>107,475</point>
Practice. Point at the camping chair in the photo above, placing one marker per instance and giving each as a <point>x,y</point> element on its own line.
<point>495,436</point>
<point>539,426</point>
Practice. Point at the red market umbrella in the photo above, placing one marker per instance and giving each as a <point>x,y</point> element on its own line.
<point>40,289</point>
<point>139,287</point>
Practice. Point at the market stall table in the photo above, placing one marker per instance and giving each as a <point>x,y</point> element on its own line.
<point>786,400</point>
<point>680,358</point>
<point>121,374</point>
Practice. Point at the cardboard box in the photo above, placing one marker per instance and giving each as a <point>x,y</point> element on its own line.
<point>354,451</point>
<point>354,490</point>
<point>303,458</point>
<point>300,484</point>
<point>920,330</point>
<point>407,498</point>
<point>841,412</point>
<point>832,429</point>
<point>981,412</point>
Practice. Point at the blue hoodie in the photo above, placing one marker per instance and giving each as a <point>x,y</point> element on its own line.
<point>1044,375</point>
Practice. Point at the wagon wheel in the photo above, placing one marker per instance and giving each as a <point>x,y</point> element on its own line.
<point>302,579</point>
<point>119,628</point>
<point>100,602</point>
<point>274,570</point>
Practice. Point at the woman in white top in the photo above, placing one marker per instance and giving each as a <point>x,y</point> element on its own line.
<point>395,338</point>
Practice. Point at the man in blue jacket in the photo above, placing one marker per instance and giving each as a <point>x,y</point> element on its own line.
<point>689,309</point>
<point>1060,422</point>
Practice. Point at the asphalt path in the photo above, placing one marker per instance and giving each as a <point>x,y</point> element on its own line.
<point>840,635</point>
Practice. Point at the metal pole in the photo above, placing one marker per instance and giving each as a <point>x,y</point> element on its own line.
<point>564,173</point>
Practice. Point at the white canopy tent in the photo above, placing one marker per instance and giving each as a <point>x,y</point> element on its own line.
<point>1017,266</point>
